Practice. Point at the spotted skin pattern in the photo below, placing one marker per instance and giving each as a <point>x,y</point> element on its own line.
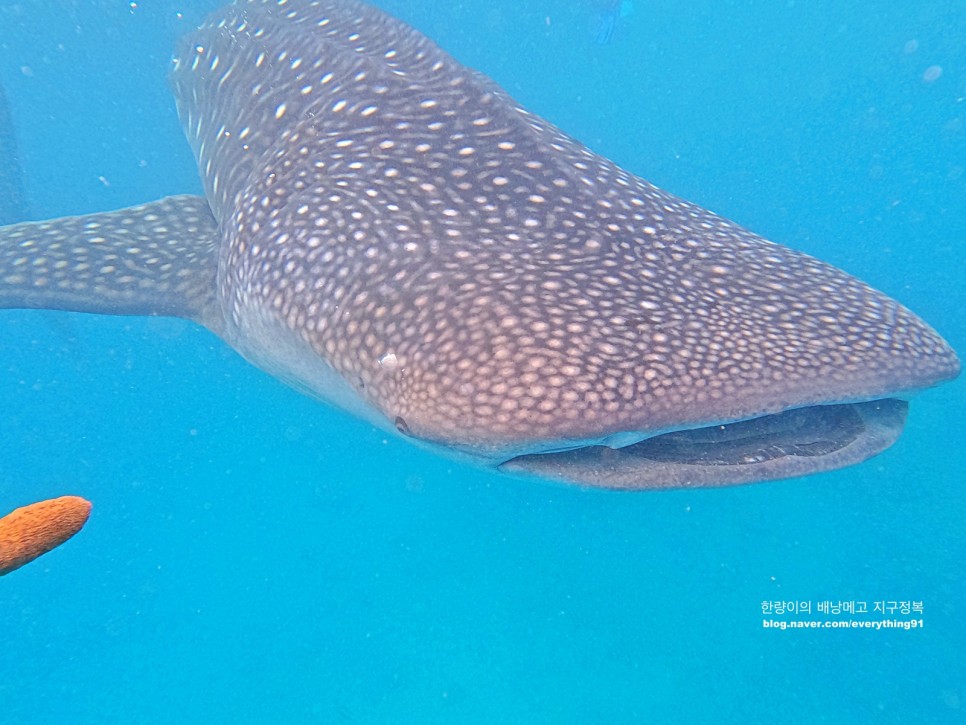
<point>391,232</point>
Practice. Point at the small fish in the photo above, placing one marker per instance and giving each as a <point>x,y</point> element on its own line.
<point>607,16</point>
<point>13,198</point>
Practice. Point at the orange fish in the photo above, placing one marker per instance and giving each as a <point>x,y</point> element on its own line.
<point>33,530</point>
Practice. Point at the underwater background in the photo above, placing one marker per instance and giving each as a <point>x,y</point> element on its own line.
<point>254,556</point>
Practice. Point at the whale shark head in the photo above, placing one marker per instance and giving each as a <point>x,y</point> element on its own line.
<point>392,233</point>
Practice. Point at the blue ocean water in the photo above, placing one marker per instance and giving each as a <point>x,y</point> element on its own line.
<point>254,556</point>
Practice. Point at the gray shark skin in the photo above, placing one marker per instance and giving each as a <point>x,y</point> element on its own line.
<point>390,232</point>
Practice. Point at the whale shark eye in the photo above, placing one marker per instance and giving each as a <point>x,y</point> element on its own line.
<point>402,426</point>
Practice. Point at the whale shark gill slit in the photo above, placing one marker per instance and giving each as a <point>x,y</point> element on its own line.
<point>389,231</point>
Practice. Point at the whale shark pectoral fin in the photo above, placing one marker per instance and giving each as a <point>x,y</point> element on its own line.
<point>154,259</point>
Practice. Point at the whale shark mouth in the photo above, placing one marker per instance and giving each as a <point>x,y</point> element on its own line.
<point>794,442</point>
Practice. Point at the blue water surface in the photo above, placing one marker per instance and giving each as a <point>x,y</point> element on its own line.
<point>254,556</point>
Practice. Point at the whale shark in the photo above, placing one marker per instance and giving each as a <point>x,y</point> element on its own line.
<point>390,232</point>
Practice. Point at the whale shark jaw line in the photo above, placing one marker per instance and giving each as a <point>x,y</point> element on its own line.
<point>791,443</point>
